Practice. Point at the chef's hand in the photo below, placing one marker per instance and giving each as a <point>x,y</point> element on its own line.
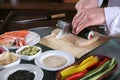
<point>86,4</point>
<point>81,4</point>
<point>88,17</point>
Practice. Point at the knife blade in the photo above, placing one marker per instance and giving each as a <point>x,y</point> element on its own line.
<point>43,18</point>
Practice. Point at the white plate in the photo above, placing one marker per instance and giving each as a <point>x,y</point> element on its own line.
<point>32,68</point>
<point>31,39</point>
<point>39,60</point>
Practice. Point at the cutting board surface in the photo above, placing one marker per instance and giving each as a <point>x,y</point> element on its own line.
<point>71,43</point>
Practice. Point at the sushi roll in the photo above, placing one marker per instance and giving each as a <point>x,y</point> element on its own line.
<point>86,33</point>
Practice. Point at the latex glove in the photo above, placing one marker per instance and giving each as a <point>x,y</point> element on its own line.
<point>88,17</point>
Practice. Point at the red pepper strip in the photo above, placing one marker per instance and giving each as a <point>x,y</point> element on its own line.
<point>92,66</point>
<point>77,75</point>
<point>102,62</point>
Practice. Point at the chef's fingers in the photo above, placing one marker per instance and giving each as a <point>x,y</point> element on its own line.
<point>78,6</point>
<point>82,25</point>
<point>76,20</point>
<point>78,14</point>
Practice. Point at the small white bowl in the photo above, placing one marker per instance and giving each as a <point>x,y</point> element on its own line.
<point>13,63</point>
<point>26,57</point>
<point>5,48</point>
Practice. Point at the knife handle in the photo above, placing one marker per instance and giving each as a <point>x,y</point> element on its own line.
<point>58,16</point>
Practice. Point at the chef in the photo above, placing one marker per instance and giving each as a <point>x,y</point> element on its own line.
<point>89,13</point>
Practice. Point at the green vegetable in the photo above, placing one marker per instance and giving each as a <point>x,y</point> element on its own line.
<point>103,73</point>
<point>29,51</point>
<point>100,71</point>
<point>95,71</point>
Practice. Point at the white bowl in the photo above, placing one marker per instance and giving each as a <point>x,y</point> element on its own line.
<point>11,64</point>
<point>39,74</point>
<point>26,57</point>
<point>5,48</point>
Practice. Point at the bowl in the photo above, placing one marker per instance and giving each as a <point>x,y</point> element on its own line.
<point>9,59</point>
<point>3,49</point>
<point>6,73</point>
<point>28,52</point>
<point>54,60</point>
<point>101,58</point>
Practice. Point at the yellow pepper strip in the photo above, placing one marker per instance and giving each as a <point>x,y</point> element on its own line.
<point>86,60</point>
<point>83,62</point>
<point>76,68</point>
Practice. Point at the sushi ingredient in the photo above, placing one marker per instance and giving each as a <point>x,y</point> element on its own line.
<point>86,33</point>
<point>7,58</point>
<point>110,66</point>
<point>54,61</point>
<point>96,73</point>
<point>85,42</point>
<point>1,50</point>
<point>86,60</point>
<point>78,68</point>
<point>29,51</point>
<point>78,75</point>
<point>102,62</point>
<point>22,75</point>
<point>14,38</point>
<point>21,33</point>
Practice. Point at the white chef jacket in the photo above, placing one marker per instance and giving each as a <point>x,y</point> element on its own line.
<point>112,16</point>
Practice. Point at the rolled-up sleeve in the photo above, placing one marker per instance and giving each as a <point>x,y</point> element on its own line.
<point>112,16</point>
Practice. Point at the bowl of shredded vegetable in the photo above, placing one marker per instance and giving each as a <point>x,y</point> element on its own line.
<point>28,52</point>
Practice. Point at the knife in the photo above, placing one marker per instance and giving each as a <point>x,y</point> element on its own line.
<point>43,18</point>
